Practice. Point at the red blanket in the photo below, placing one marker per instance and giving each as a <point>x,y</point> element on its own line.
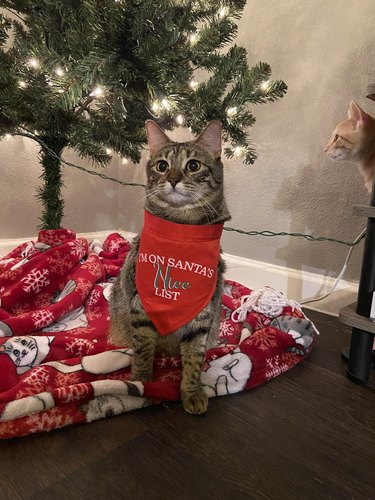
<point>57,367</point>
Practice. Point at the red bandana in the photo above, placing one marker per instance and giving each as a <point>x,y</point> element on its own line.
<point>176,270</point>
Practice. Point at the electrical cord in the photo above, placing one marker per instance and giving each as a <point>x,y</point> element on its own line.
<point>308,237</point>
<point>342,272</point>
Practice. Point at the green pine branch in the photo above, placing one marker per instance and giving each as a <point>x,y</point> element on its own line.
<point>86,74</point>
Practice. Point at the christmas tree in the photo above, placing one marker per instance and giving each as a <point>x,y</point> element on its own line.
<point>86,74</point>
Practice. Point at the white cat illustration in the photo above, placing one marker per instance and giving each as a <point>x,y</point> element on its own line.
<point>300,329</point>
<point>108,405</point>
<point>227,375</point>
<point>98,364</point>
<point>26,352</point>
<point>73,319</point>
<point>107,287</point>
<point>68,288</point>
<point>5,330</point>
<point>30,250</point>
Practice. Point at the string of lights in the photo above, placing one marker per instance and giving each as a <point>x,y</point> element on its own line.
<point>265,233</point>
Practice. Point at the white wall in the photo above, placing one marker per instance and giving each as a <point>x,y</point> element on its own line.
<point>324,50</point>
<point>90,203</point>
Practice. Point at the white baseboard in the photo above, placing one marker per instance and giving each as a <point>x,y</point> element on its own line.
<point>295,284</point>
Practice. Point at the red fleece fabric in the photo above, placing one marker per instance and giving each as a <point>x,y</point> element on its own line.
<point>176,270</point>
<point>57,367</point>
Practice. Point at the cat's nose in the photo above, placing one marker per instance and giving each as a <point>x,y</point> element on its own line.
<point>173,182</point>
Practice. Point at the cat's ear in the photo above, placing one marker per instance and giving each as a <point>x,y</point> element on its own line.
<point>210,138</point>
<point>156,138</point>
<point>357,114</point>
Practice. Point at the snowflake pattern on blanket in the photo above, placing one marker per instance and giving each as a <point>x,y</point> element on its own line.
<point>57,367</point>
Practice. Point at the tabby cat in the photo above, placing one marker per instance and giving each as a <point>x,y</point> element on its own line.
<point>354,139</point>
<point>184,213</point>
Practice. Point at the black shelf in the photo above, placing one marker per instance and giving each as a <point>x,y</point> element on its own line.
<point>349,317</point>
<point>364,210</point>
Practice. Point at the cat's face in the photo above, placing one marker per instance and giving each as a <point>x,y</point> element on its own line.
<point>21,350</point>
<point>349,138</point>
<point>180,175</point>
<point>185,180</point>
<point>344,141</point>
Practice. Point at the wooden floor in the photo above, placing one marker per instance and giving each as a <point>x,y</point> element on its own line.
<point>308,434</point>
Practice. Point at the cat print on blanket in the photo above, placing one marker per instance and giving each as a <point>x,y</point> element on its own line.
<point>228,374</point>
<point>26,352</point>
<point>184,208</point>
<point>84,377</point>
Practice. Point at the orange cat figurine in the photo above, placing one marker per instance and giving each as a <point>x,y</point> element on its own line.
<point>354,139</point>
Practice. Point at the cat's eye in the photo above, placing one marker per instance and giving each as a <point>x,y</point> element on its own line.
<point>193,166</point>
<point>336,137</point>
<point>162,166</point>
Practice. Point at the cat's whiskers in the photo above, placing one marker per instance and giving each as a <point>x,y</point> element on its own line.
<point>142,199</point>
<point>152,195</point>
<point>211,206</point>
<point>200,206</point>
<point>202,202</point>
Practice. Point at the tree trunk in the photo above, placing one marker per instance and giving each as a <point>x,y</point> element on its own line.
<point>50,192</point>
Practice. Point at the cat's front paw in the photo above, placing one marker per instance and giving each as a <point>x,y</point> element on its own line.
<point>195,403</point>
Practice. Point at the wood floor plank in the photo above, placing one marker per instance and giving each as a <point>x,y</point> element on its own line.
<point>334,336</point>
<point>308,434</point>
<point>46,458</point>
<point>301,436</point>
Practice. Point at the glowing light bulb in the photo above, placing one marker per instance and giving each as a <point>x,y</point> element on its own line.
<point>193,84</point>
<point>22,84</point>
<point>108,151</point>
<point>97,92</point>
<point>33,62</point>
<point>238,150</point>
<point>223,12</point>
<point>264,85</point>
<point>193,38</point>
<point>180,120</point>
<point>166,104</point>
<point>232,111</point>
<point>59,71</point>
<point>156,107</point>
